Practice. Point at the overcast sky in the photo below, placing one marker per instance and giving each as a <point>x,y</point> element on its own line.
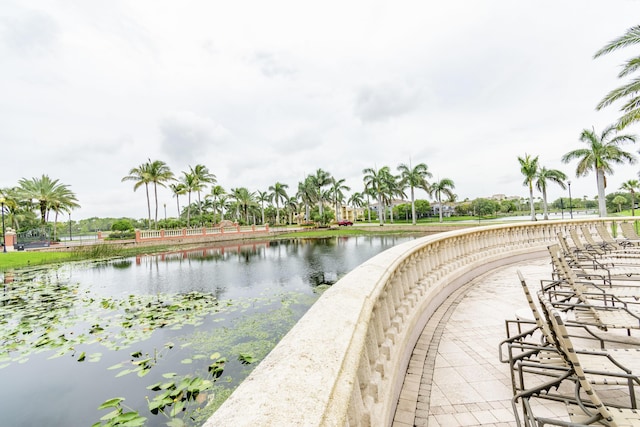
<point>267,91</point>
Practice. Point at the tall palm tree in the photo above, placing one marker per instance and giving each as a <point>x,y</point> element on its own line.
<point>603,150</point>
<point>438,188</point>
<point>630,92</point>
<point>391,189</point>
<point>631,186</point>
<point>202,177</point>
<point>292,205</point>
<point>278,194</point>
<point>140,176</point>
<point>529,168</point>
<point>159,173</point>
<point>337,195</point>
<point>320,180</point>
<point>357,201</point>
<point>190,185</point>
<point>216,193</point>
<point>262,197</point>
<point>47,193</point>
<point>414,177</point>
<point>369,192</point>
<point>545,175</point>
<point>374,181</point>
<point>178,189</point>
<point>306,193</point>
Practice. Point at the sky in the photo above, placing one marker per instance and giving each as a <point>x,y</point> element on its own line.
<point>270,91</point>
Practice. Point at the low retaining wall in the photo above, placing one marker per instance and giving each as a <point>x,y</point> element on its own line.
<point>344,362</point>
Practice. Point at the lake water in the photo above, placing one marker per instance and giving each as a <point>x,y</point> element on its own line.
<point>75,336</point>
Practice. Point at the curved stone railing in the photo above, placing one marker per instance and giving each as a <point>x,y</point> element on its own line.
<point>344,362</point>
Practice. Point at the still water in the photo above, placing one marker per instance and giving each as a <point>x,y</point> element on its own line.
<point>75,336</point>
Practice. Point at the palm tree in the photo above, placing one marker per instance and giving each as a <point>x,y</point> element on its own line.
<point>337,186</point>
<point>158,173</point>
<point>244,201</point>
<point>11,201</point>
<point>631,108</point>
<point>438,188</point>
<point>202,177</point>
<point>391,189</point>
<point>529,168</point>
<point>321,179</point>
<point>291,205</point>
<point>619,200</point>
<point>48,193</point>
<point>375,181</point>
<point>190,185</point>
<point>415,177</point>
<point>262,196</point>
<point>217,193</point>
<point>306,193</point>
<point>357,201</point>
<point>141,176</point>
<point>278,194</point>
<point>631,186</point>
<point>601,153</point>
<point>178,189</point>
<point>369,192</point>
<point>545,175</point>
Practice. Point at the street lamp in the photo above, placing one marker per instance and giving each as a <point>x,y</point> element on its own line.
<point>70,237</point>
<point>4,234</point>
<point>570,202</point>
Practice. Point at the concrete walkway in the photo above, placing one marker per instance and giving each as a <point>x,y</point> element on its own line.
<point>455,377</point>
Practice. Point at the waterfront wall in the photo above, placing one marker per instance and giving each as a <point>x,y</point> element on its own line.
<point>344,362</point>
<point>182,234</point>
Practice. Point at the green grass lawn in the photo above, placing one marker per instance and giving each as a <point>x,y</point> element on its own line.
<point>11,260</point>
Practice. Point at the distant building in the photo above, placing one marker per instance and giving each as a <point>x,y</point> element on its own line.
<point>447,210</point>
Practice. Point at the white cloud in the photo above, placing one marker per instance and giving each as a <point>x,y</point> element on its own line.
<point>186,136</point>
<point>91,89</point>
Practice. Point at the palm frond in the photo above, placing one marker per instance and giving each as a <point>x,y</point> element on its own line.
<point>630,88</point>
<point>631,37</point>
<point>628,118</point>
<point>631,65</point>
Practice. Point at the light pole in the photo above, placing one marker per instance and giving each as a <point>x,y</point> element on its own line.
<point>4,234</point>
<point>70,237</point>
<point>570,202</point>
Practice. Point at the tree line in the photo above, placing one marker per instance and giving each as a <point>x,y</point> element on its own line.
<point>320,197</point>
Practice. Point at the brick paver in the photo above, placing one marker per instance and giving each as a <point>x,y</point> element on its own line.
<point>462,382</point>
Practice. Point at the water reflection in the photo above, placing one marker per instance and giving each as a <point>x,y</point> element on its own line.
<point>236,271</point>
<point>261,289</point>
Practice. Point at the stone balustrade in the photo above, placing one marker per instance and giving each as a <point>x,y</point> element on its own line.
<point>344,362</point>
<point>201,232</point>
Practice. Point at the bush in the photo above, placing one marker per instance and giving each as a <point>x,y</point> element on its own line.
<point>121,235</point>
<point>122,225</point>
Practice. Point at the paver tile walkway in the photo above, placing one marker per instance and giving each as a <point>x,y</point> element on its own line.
<point>455,377</point>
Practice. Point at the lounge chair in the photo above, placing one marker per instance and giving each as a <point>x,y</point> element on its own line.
<point>622,280</point>
<point>612,242</point>
<point>589,407</point>
<point>629,233</point>
<point>584,370</point>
